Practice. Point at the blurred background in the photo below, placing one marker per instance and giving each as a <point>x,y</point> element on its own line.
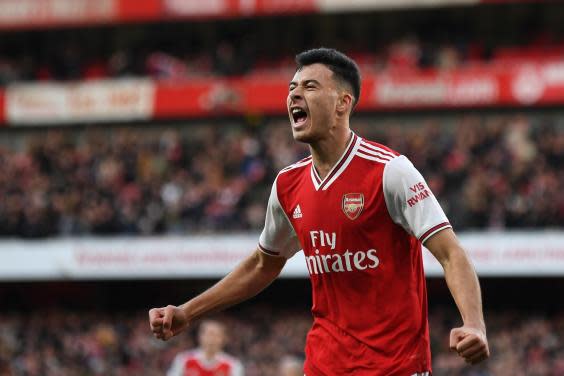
<point>139,140</point>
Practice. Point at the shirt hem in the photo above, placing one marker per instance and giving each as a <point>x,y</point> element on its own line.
<point>433,230</point>
<point>268,251</point>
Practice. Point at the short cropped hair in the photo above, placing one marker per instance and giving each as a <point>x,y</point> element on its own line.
<point>343,67</point>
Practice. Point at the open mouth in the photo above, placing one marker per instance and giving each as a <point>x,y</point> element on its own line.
<point>299,116</point>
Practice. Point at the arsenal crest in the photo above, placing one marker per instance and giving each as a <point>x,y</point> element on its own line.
<point>353,203</point>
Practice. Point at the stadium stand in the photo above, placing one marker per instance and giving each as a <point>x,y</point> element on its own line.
<point>201,178</point>
<point>448,39</point>
<point>107,335</point>
<point>474,102</point>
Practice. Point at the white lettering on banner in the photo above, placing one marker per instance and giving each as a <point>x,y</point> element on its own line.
<point>438,91</point>
<point>528,85</point>
<point>196,7</point>
<point>553,73</point>
<point>474,91</point>
<point>389,92</point>
<point>105,100</point>
<point>29,12</point>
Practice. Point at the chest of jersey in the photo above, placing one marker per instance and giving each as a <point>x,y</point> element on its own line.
<point>339,227</point>
<point>193,367</point>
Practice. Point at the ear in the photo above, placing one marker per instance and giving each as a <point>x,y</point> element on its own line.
<point>344,103</point>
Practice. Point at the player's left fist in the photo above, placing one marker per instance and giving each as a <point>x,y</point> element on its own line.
<point>470,343</point>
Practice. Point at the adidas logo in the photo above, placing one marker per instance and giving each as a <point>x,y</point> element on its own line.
<point>297,212</point>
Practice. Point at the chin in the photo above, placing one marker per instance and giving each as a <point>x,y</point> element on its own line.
<point>306,135</point>
<point>302,136</point>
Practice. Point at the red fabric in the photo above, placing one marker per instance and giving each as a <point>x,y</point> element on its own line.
<point>193,367</point>
<point>370,312</point>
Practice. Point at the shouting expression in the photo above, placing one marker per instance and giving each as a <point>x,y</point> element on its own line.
<point>315,101</point>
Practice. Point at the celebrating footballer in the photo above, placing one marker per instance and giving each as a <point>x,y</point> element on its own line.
<point>360,212</point>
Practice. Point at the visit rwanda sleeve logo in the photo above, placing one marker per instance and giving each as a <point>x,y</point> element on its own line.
<point>352,205</point>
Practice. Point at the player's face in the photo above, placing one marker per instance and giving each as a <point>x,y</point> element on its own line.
<point>212,337</point>
<point>312,100</point>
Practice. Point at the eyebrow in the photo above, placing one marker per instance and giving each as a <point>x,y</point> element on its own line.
<point>312,81</point>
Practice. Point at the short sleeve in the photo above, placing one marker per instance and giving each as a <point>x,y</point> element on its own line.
<point>177,367</point>
<point>238,369</point>
<point>278,237</point>
<point>410,202</point>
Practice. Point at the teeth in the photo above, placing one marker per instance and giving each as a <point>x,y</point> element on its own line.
<point>296,110</point>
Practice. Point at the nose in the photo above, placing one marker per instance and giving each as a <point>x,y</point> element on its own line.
<point>295,94</point>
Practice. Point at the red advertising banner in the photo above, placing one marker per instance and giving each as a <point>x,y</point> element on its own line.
<point>35,14</point>
<point>528,85</point>
<point>118,100</point>
<point>138,10</point>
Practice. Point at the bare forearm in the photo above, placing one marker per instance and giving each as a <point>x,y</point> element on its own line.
<point>460,276</point>
<point>249,278</point>
<point>464,287</point>
<point>469,340</point>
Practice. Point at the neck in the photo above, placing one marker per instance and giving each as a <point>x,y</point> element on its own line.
<point>326,152</point>
<point>209,354</point>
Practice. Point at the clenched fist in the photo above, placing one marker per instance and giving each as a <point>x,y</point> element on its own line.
<point>470,343</point>
<point>166,322</point>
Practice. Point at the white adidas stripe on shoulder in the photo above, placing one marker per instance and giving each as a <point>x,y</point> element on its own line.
<point>372,158</point>
<point>377,149</point>
<point>303,162</point>
<point>374,153</point>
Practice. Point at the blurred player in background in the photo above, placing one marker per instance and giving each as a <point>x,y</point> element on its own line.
<point>208,359</point>
<point>291,366</point>
<point>361,212</point>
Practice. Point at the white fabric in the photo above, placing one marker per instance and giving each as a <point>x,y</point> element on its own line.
<point>410,202</point>
<point>278,234</point>
<point>178,365</point>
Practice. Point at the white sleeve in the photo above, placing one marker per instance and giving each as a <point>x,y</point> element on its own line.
<point>410,202</point>
<point>238,369</point>
<point>278,237</point>
<point>177,367</point>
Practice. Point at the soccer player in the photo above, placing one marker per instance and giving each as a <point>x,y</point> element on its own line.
<point>208,359</point>
<point>290,366</point>
<point>360,211</point>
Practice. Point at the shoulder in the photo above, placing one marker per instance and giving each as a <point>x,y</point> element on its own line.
<point>290,172</point>
<point>186,355</point>
<point>375,152</point>
<point>229,359</point>
<point>298,166</point>
<point>400,173</point>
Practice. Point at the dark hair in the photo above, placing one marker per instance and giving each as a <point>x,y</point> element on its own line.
<point>343,67</point>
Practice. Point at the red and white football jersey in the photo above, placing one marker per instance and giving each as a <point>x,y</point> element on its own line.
<point>194,363</point>
<point>361,230</point>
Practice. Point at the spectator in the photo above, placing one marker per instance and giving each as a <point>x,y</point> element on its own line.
<point>490,172</point>
<point>66,342</point>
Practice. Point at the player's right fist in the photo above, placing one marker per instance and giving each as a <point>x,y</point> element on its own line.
<point>166,322</point>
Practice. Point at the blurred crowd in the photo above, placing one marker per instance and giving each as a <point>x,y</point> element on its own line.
<point>77,343</point>
<point>379,41</point>
<point>488,172</point>
<point>72,60</point>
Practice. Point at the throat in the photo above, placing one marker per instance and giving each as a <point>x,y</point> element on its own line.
<point>322,169</point>
<point>326,155</point>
